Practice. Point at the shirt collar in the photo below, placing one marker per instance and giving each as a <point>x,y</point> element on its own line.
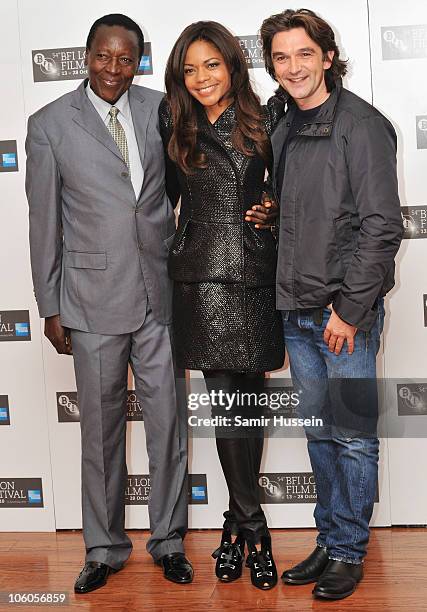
<point>103,107</point>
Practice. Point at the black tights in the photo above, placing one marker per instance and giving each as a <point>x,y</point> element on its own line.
<point>240,454</point>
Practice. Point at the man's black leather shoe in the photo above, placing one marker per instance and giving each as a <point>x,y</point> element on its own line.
<point>176,568</point>
<point>339,580</point>
<point>93,576</point>
<point>308,570</point>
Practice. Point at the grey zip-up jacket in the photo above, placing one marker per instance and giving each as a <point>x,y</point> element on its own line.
<point>340,221</point>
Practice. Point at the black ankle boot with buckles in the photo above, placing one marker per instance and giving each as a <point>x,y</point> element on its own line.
<point>229,557</point>
<point>262,566</point>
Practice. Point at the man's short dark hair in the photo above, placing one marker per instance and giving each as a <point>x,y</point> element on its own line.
<point>116,19</point>
<point>316,28</point>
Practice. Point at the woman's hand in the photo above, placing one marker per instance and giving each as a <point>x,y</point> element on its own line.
<point>263,215</point>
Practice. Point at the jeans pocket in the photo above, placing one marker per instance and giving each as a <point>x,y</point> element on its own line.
<point>326,315</point>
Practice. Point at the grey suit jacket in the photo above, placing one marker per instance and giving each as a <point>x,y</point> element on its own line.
<point>92,242</point>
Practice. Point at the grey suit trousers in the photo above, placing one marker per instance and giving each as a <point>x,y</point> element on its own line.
<point>101,363</point>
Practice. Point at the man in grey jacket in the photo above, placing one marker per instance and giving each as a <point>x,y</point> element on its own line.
<point>340,229</point>
<point>100,228</point>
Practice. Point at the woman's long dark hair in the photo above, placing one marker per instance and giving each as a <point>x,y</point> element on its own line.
<point>249,115</point>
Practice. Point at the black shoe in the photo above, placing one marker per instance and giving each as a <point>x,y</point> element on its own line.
<point>93,576</point>
<point>229,557</point>
<point>261,563</point>
<point>308,570</point>
<point>339,580</point>
<point>176,568</point>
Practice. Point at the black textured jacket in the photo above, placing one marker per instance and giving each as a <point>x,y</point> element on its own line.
<point>213,202</point>
<point>340,221</point>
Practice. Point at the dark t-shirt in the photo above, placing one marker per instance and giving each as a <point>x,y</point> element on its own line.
<point>300,119</point>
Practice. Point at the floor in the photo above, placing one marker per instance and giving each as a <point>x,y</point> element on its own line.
<point>395,574</point>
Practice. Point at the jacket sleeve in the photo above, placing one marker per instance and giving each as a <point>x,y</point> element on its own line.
<point>371,162</point>
<point>172,183</point>
<point>268,187</point>
<point>273,112</point>
<point>43,188</point>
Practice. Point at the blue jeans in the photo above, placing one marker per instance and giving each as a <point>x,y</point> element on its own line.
<point>340,390</point>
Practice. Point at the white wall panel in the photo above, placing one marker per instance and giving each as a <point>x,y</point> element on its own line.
<point>24,444</point>
<point>400,91</point>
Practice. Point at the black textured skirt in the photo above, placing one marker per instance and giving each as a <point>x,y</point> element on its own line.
<point>220,326</point>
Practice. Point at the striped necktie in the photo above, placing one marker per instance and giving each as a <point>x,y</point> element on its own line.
<point>117,132</point>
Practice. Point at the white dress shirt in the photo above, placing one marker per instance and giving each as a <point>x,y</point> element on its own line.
<point>125,117</point>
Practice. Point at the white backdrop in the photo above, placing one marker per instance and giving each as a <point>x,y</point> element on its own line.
<point>400,92</point>
<point>32,376</point>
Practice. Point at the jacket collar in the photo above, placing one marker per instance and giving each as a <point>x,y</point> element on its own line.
<point>89,119</point>
<point>228,114</point>
<point>225,120</point>
<point>320,125</point>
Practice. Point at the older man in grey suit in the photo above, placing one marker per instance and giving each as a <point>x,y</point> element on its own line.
<point>100,228</point>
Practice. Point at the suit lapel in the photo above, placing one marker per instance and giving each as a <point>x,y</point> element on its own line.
<point>141,112</point>
<point>87,117</point>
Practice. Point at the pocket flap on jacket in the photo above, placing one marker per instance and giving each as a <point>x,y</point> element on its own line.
<point>93,261</point>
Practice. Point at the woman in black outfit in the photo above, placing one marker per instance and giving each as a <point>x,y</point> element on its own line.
<point>225,323</point>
